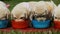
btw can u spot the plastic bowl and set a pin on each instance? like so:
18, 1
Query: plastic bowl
3, 23
57, 24
41, 24
20, 24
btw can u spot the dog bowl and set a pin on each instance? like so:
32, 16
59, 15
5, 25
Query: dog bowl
57, 24
20, 24
41, 24
3, 23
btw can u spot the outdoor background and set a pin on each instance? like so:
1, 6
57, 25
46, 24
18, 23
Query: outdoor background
14, 2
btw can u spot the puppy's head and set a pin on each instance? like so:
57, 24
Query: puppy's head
40, 8
38, 11
4, 4
20, 11
57, 13
19, 14
4, 12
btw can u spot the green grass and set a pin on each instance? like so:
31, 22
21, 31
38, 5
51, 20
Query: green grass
21, 32
14, 2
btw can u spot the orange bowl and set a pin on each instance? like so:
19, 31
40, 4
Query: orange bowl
57, 24
20, 24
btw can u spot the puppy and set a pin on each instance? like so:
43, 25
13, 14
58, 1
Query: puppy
42, 8
47, 8
40, 11
57, 13
50, 7
20, 11
2, 3
4, 11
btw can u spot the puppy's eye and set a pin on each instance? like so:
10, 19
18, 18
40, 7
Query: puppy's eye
55, 17
22, 18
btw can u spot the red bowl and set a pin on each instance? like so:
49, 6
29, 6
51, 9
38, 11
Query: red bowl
57, 24
20, 24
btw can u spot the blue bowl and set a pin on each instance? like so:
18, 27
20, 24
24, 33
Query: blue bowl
3, 23
41, 24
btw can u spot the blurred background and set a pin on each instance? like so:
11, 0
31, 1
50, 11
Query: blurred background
14, 2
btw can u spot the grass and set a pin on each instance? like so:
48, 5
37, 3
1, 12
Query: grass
20, 32
14, 2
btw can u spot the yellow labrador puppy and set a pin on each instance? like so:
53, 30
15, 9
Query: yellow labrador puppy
45, 8
21, 11
4, 11
57, 13
40, 10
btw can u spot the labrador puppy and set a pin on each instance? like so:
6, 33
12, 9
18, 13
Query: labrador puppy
4, 11
21, 11
57, 13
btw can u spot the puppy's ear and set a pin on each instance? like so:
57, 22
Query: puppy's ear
31, 15
2, 3
12, 17
26, 15
7, 5
54, 5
